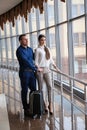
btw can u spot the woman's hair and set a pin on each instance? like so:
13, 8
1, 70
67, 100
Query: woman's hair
45, 48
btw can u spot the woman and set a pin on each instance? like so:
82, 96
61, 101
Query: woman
43, 60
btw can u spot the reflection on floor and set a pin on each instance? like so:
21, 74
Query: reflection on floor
4, 122
61, 120
45, 123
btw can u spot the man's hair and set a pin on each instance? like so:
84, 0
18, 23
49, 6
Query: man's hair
20, 37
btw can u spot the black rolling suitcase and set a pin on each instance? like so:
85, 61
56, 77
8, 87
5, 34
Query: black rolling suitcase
36, 104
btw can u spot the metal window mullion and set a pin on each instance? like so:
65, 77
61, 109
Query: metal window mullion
71, 56
30, 30
1, 65
17, 32
9, 105
70, 39
12, 53
37, 21
56, 12
8, 70
46, 23
85, 87
14, 85
85, 6
12, 50
6, 47
57, 36
1, 47
16, 26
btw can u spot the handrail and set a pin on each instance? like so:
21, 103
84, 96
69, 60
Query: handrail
73, 78
73, 104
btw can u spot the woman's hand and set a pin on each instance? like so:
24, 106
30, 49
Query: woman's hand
57, 69
39, 69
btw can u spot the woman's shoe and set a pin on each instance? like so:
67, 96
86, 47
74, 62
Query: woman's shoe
50, 109
51, 113
46, 111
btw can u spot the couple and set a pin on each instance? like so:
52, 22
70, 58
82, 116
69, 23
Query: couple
28, 69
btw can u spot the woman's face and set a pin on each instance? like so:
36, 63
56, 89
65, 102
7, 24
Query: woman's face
42, 41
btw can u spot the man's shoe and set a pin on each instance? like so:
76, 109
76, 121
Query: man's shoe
26, 113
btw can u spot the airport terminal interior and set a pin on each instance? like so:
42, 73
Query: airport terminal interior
64, 23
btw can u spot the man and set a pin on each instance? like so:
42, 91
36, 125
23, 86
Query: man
26, 71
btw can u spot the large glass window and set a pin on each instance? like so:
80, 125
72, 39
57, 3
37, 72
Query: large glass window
64, 49
45, 24
14, 46
52, 44
79, 44
9, 48
19, 21
34, 40
84, 66
77, 7
62, 11
33, 19
42, 20
3, 47
8, 29
51, 12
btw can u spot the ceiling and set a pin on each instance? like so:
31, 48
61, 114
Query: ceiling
6, 5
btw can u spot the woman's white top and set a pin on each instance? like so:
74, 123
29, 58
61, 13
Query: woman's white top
40, 58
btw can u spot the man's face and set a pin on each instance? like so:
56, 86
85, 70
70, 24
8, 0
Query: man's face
24, 41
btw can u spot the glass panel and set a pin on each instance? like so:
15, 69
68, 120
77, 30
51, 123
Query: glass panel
10, 78
77, 7
64, 49
19, 25
9, 48
2, 33
57, 110
42, 20
13, 30
33, 19
52, 44
5, 80
51, 12
62, 11
79, 119
79, 45
14, 46
26, 26
3, 47
8, 29
34, 40
17, 82
1, 74
67, 114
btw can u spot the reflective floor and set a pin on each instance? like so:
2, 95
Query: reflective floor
46, 123
61, 120
4, 121
64, 111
